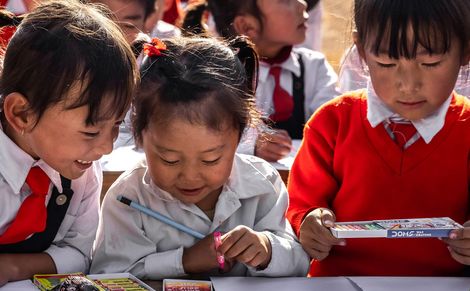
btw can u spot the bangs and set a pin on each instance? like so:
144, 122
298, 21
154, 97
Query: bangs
400, 28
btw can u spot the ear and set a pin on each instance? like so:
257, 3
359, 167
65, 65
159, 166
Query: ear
246, 25
17, 113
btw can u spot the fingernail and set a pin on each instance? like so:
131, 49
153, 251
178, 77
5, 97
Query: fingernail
453, 235
328, 223
342, 243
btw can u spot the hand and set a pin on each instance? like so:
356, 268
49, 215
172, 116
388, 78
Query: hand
202, 257
459, 244
246, 246
314, 235
273, 145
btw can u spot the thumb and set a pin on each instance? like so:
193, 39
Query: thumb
328, 219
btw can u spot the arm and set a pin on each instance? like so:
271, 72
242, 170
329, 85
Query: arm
17, 267
287, 256
122, 244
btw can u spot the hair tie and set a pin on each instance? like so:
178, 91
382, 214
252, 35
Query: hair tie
154, 48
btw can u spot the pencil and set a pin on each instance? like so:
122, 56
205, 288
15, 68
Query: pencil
160, 217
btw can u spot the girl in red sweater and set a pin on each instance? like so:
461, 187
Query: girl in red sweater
398, 149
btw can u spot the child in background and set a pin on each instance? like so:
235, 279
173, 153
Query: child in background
67, 81
293, 82
194, 102
398, 149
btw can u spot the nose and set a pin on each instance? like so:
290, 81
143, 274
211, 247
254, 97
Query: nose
105, 143
190, 173
302, 5
409, 80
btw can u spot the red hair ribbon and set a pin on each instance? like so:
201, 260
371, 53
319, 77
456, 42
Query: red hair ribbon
154, 48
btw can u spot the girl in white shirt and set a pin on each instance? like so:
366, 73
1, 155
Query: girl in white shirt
67, 79
194, 102
293, 81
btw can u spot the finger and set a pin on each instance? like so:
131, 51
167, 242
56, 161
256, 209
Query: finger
461, 233
282, 138
316, 255
231, 238
461, 251
458, 243
268, 155
248, 255
242, 244
459, 258
328, 219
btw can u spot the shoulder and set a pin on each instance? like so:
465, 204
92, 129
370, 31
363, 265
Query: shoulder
251, 175
338, 110
308, 55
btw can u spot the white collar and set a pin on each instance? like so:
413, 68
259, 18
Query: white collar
291, 64
428, 127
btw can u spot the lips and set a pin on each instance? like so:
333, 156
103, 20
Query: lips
82, 164
191, 191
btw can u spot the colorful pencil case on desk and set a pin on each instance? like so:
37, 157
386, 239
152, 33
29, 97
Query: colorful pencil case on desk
396, 228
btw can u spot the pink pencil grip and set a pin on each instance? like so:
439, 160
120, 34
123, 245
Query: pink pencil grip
218, 242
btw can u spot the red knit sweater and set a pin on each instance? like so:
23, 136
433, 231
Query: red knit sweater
361, 174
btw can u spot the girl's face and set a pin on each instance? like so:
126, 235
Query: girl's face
283, 25
63, 140
415, 88
191, 162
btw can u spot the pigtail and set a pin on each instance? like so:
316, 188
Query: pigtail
192, 22
247, 55
7, 18
137, 45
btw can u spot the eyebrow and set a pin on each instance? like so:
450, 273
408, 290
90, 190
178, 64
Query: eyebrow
163, 149
133, 17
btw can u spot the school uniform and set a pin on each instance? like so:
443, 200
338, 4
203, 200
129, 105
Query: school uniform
130, 241
71, 241
307, 77
350, 163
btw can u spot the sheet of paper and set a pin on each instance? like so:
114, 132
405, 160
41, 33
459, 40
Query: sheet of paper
282, 284
286, 163
25, 285
411, 283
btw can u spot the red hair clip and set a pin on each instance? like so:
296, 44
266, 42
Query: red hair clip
154, 48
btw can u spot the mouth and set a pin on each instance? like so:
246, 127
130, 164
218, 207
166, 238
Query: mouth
411, 103
82, 164
191, 191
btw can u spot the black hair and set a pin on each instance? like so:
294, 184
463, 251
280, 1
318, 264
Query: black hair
201, 80
64, 43
223, 12
433, 25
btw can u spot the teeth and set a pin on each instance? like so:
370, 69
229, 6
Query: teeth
84, 162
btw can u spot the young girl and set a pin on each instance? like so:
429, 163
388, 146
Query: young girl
194, 102
399, 149
293, 82
67, 80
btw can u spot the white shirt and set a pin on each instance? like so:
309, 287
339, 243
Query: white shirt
255, 196
319, 86
378, 112
72, 245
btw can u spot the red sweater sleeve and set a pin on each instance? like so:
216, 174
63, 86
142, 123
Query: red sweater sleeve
311, 181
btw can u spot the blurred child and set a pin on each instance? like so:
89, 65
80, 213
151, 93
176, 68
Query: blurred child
293, 82
193, 105
398, 149
129, 15
67, 81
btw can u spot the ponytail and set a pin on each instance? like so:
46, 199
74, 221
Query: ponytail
192, 22
247, 55
7, 18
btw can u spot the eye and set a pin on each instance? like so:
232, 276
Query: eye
211, 162
385, 65
431, 65
90, 134
170, 163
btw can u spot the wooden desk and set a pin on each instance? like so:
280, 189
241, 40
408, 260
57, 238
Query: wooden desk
123, 158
